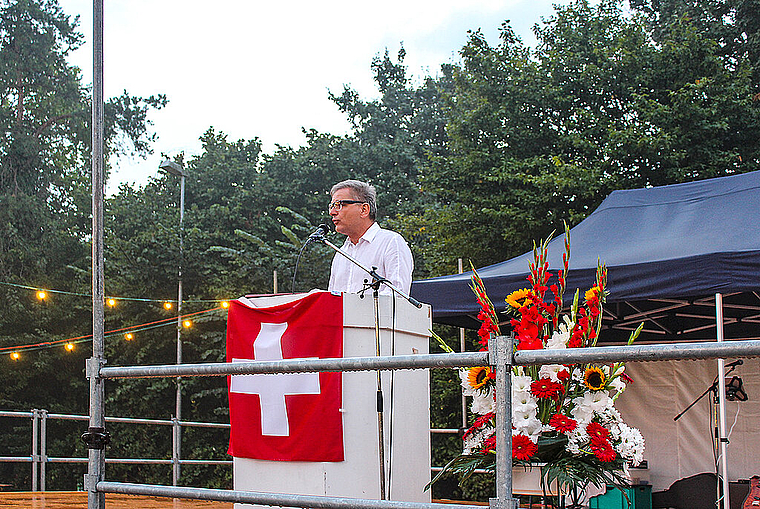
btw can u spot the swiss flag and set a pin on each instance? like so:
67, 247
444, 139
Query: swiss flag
294, 416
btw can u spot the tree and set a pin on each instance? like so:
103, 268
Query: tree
538, 137
45, 203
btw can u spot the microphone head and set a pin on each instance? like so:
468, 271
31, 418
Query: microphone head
319, 233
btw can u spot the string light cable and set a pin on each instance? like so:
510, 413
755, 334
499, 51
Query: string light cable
39, 290
130, 329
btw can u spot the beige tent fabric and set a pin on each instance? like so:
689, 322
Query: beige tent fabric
661, 390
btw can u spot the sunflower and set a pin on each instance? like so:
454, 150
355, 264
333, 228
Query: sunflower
594, 378
478, 377
518, 298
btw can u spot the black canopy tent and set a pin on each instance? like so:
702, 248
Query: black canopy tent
668, 250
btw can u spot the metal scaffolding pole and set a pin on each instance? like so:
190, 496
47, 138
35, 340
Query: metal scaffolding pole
722, 438
500, 353
96, 432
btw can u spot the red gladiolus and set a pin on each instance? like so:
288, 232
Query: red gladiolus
562, 423
603, 450
522, 447
479, 423
489, 445
530, 344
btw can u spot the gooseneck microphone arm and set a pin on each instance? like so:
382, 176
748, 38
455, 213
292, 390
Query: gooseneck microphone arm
376, 278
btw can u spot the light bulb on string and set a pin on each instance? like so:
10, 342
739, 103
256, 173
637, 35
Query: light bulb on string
168, 305
15, 356
111, 302
129, 336
70, 347
41, 294
225, 304
187, 324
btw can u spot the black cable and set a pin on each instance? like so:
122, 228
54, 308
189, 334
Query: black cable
295, 270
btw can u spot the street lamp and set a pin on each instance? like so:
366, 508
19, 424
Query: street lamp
177, 170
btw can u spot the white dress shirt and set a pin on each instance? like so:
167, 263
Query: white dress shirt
384, 249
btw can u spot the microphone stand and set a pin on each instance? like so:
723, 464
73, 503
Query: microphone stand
377, 280
713, 387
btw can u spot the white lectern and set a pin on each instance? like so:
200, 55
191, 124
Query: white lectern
406, 413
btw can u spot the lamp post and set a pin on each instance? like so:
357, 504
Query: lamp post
177, 170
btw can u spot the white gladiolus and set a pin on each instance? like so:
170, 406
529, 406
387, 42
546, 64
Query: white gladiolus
483, 403
521, 383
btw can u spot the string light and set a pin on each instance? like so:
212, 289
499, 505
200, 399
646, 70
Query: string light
47, 292
70, 347
41, 294
111, 302
127, 331
187, 324
225, 304
168, 305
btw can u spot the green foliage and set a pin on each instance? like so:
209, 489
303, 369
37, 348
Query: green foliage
475, 162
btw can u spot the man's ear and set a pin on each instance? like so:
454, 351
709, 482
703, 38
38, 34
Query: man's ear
365, 212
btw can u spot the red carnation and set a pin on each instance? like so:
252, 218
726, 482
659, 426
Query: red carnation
562, 423
603, 450
522, 447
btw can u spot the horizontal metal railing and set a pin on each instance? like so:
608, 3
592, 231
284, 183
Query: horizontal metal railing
419, 361
39, 458
499, 356
273, 499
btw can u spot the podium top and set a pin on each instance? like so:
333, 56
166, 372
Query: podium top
358, 312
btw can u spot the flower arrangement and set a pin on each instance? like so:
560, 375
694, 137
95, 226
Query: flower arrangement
563, 415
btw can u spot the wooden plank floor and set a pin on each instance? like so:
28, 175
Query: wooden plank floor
78, 500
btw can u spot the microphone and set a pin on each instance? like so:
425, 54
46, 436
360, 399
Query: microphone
319, 233
735, 363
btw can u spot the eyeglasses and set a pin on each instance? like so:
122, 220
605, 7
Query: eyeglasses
339, 204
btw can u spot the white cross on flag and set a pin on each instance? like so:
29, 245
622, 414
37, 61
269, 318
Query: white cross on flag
293, 416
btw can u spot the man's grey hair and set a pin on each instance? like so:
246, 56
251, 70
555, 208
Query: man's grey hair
360, 191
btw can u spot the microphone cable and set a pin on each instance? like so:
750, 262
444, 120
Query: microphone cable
318, 234
295, 270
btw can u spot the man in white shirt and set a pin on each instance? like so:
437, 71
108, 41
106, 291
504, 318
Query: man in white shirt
353, 209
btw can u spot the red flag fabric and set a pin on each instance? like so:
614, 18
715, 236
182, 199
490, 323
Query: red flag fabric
294, 416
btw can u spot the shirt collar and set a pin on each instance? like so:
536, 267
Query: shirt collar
368, 236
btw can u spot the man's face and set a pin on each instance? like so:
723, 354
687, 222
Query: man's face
352, 219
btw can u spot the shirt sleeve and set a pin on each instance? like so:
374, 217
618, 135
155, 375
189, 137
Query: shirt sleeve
399, 264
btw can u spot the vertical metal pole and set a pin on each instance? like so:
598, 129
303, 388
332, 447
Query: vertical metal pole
723, 440
500, 351
380, 429
462, 348
96, 459
176, 437
178, 400
35, 456
274, 281
43, 447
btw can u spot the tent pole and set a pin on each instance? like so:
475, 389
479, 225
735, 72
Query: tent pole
462, 348
723, 440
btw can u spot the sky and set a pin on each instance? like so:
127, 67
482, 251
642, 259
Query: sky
255, 69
